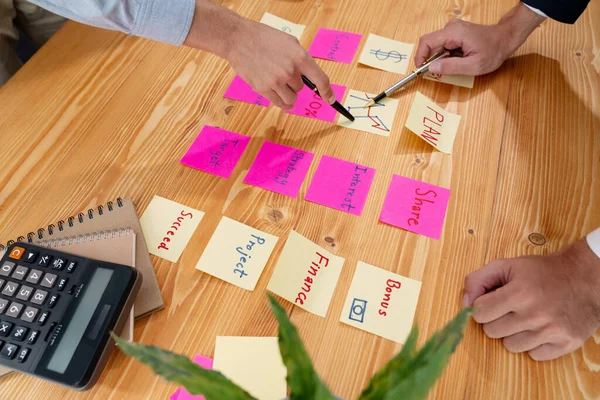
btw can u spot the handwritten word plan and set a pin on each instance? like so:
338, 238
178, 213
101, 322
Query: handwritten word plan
456, 80
306, 274
241, 91
416, 206
341, 184
381, 302
216, 151
182, 394
237, 253
279, 168
432, 123
168, 227
254, 364
378, 119
311, 105
386, 54
335, 45
283, 25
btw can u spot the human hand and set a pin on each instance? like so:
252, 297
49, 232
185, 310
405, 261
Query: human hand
545, 305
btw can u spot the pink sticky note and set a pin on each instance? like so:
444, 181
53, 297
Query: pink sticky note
311, 105
341, 184
241, 91
216, 151
182, 394
335, 45
416, 206
175, 395
279, 168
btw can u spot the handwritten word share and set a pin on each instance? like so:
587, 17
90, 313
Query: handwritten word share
386, 54
279, 168
335, 45
381, 302
237, 253
216, 151
416, 206
341, 184
241, 91
168, 227
311, 105
432, 123
456, 80
306, 274
283, 25
378, 119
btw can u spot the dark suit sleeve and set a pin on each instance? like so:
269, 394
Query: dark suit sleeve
566, 11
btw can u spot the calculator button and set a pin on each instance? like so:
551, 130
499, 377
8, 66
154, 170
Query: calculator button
22, 357
5, 328
24, 293
3, 304
33, 335
30, 256
58, 264
71, 267
29, 314
62, 282
10, 289
2, 283
14, 310
39, 297
9, 351
34, 276
43, 318
48, 281
44, 260
52, 301
16, 253
19, 333
20, 272
7, 267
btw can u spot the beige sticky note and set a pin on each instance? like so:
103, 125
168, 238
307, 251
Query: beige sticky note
237, 253
378, 119
168, 227
456, 80
306, 274
283, 25
381, 302
253, 363
386, 54
432, 123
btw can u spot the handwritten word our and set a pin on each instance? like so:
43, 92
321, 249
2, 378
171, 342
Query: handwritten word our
175, 226
336, 45
308, 281
390, 284
416, 208
245, 254
221, 148
428, 130
283, 176
352, 186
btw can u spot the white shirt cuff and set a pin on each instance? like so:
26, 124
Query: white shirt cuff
535, 10
593, 240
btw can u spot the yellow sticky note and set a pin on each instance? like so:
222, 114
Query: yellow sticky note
432, 123
456, 80
378, 119
252, 363
381, 302
283, 25
306, 274
168, 227
237, 253
386, 54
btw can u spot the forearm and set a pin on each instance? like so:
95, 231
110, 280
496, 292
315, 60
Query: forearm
518, 24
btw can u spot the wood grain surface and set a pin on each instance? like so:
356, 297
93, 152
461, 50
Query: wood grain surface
96, 115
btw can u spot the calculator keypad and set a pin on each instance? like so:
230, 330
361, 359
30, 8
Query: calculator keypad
20, 272
29, 314
48, 281
19, 333
34, 276
9, 351
10, 289
5, 328
25, 293
6, 268
3, 304
44, 260
14, 310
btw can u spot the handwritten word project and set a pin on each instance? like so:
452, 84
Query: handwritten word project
456, 80
279, 168
386, 54
283, 25
216, 151
377, 119
254, 364
335, 45
182, 394
237, 253
432, 123
311, 105
416, 206
341, 184
168, 227
241, 91
306, 274
381, 302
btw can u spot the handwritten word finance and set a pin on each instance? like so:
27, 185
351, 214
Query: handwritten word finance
244, 254
390, 285
308, 281
174, 227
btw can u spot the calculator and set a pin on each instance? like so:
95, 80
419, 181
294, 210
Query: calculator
57, 311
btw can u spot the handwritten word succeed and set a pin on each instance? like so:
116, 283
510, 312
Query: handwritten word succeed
352, 187
391, 284
175, 226
245, 254
308, 281
215, 154
283, 176
416, 208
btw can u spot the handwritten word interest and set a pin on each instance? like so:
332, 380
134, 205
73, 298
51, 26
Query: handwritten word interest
336, 45
283, 176
175, 226
308, 281
222, 147
416, 208
430, 130
245, 255
358, 171
391, 284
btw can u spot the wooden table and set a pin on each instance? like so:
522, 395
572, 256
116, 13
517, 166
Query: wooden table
96, 115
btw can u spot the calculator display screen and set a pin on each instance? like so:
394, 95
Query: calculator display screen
80, 321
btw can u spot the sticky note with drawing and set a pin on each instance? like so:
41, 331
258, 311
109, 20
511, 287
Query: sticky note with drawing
335, 45
168, 227
378, 119
306, 274
237, 253
241, 91
283, 25
381, 302
432, 123
386, 54
456, 80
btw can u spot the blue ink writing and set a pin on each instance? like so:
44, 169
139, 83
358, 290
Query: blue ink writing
358, 172
283, 176
358, 310
244, 252
336, 46
218, 152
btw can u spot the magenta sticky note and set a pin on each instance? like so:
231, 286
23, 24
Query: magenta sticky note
216, 151
416, 206
175, 395
279, 168
341, 184
204, 362
311, 105
241, 91
335, 45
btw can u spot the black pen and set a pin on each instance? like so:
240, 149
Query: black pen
337, 106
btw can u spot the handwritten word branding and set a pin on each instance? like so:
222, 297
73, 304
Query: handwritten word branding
419, 202
335, 45
283, 176
308, 281
353, 187
245, 254
390, 284
175, 227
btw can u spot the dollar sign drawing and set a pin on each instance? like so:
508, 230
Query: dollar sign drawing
384, 55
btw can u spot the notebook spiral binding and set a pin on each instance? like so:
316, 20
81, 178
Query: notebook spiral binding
100, 210
89, 237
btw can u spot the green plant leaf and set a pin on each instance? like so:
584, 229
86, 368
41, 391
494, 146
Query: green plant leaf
301, 376
179, 369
